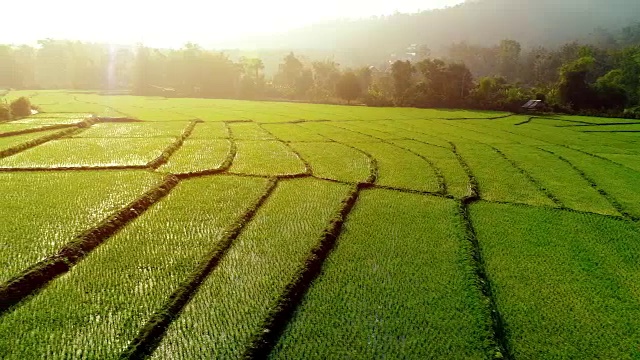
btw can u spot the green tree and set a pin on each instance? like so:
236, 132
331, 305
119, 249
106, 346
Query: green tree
326, 75
288, 77
219, 76
142, 71
628, 61
253, 67
509, 59
85, 65
380, 92
573, 88
483, 61
610, 90
191, 69
458, 85
490, 92
540, 66
303, 84
53, 64
25, 59
252, 83
8, 68
348, 87
402, 73
431, 89
5, 112
365, 77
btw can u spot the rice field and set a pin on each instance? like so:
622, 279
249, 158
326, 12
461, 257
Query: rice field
141, 227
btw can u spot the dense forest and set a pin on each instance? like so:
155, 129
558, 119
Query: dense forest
599, 75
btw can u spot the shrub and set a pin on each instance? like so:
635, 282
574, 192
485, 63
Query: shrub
632, 113
348, 87
5, 112
376, 98
21, 107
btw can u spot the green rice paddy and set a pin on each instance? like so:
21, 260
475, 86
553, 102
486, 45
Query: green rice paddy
236, 229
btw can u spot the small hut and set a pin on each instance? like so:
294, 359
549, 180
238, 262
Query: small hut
533, 105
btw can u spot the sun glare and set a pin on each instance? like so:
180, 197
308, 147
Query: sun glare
171, 24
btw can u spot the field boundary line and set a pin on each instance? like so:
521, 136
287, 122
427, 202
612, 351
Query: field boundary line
154, 330
301, 121
445, 194
610, 198
503, 135
365, 185
39, 129
152, 165
39, 275
236, 121
307, 167
354, 183
550, 208
529, 177
563, 120
525, 122
233, 150
420, 132
47, 113
495, 136
288, 104
408, 191
166, 153
600, 124
537, 184
373, 163
317, 133
116, 120
77, 128
260, 176
308, 142
498, 347
226, 164
308, 170
75, 97
610, 131
474, 188
597, 157
442, 185
280, 316
73, 168
404, 137
562, 145
489, 118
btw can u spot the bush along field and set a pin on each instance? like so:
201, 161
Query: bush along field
142, 227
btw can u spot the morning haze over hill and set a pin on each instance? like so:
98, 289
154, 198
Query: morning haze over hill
170, 24
320, 180
329, 25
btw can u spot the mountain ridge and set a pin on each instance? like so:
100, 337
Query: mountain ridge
480, 22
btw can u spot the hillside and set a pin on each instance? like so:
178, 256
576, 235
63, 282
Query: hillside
481, 22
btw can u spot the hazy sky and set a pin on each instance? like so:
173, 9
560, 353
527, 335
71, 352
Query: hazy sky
172, 23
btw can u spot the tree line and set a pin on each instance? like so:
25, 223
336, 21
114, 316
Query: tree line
550, 23
574, 78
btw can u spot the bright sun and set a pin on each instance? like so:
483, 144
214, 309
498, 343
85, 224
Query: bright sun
172, 23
